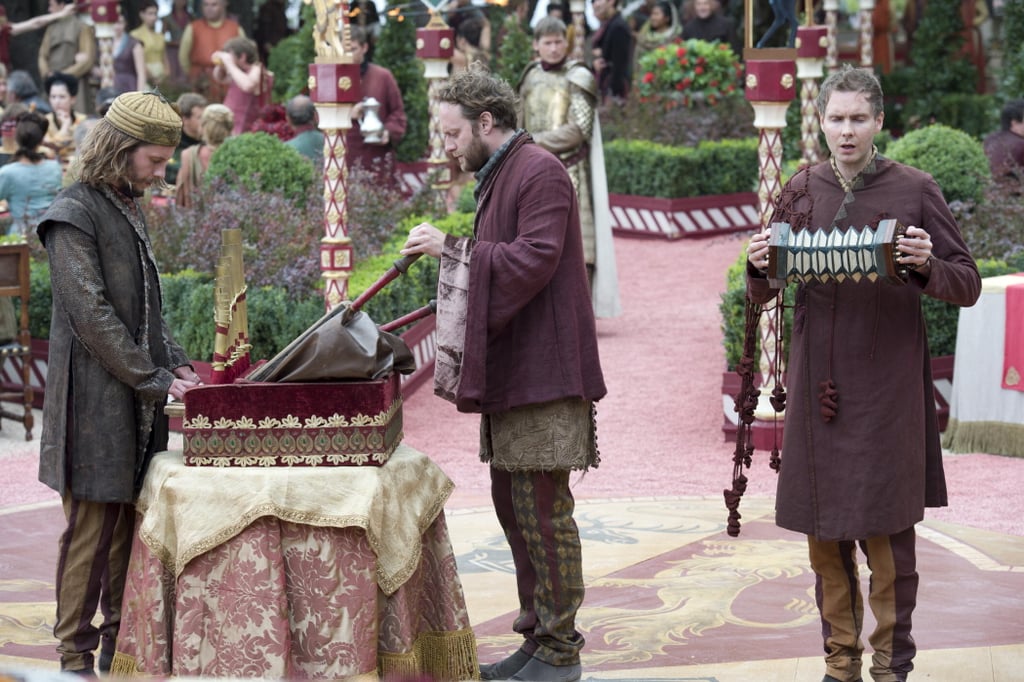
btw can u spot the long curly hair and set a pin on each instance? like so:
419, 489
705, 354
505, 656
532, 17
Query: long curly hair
476, 91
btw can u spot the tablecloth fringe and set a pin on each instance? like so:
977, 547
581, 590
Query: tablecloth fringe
448, 655
996, 438
123, 665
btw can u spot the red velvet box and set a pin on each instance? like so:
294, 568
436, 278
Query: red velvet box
335, 83
262, 424
435, 43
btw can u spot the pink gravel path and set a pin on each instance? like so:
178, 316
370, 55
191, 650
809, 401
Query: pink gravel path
659, 428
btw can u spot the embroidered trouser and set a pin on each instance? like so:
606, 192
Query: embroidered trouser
535, 511
92, 562
892, 595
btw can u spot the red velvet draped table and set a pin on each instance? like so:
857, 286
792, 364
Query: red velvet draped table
303, 572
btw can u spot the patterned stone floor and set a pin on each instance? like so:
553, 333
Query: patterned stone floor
670, 596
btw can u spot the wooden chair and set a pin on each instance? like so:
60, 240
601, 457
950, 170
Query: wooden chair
14, 281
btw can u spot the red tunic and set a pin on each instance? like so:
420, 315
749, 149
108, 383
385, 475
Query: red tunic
377, 82
530, 332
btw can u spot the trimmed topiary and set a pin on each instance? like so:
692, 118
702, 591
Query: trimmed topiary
262, 163
290, 58
396, 51
955, 159
515, 51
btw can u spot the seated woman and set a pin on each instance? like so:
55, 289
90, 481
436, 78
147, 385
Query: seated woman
30, 181
215, 126
238, 66
62, 91
662, 27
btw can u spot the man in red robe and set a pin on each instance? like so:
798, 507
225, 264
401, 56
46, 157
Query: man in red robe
376, 156
861, 457
517, 343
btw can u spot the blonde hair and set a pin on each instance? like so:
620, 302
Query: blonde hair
216, 124
105, 155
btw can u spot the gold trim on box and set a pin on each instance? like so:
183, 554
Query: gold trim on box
290, 441
751, 81
336, 420
786, 81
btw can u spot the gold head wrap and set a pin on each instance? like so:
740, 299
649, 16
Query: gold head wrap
146, 116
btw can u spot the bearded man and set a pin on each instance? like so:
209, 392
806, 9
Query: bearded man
517, 343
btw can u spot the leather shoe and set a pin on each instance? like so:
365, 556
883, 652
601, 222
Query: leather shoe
539, 671
829, 678
505, 668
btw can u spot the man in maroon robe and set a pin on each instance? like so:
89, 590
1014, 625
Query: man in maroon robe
517, 343
861, 457
376, 156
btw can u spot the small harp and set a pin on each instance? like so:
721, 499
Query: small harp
231, 339
826, 255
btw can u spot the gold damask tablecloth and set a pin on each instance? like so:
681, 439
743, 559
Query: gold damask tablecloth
322, 572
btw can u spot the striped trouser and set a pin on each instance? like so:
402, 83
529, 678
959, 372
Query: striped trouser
892, 595
535, 511
92, 562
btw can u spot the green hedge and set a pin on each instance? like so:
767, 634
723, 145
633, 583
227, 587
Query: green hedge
648, 169
956, 160
275, 317
418, 286
940, 318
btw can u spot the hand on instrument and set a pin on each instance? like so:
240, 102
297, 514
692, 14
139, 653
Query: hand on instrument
915, 250
757, 250
424, 238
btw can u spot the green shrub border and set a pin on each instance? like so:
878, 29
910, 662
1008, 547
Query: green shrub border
649, 169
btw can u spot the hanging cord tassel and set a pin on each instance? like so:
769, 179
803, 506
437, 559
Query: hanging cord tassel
778, 398
745, 404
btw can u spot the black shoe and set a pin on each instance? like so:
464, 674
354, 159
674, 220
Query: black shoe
506, 668
829, 678
81, 672
106, 658
539, 671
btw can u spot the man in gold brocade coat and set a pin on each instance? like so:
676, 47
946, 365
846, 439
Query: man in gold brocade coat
558, 99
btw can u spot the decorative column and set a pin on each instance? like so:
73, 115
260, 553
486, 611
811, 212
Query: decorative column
334, 87
435, 44
104, 15
770, 87
867, 33
811, 47
831, 23
579, 30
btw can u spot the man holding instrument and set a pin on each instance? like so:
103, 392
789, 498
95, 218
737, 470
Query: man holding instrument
861, 454
517, 343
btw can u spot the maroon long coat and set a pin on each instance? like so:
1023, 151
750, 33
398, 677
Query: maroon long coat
377, 82
530, 332
874, 467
